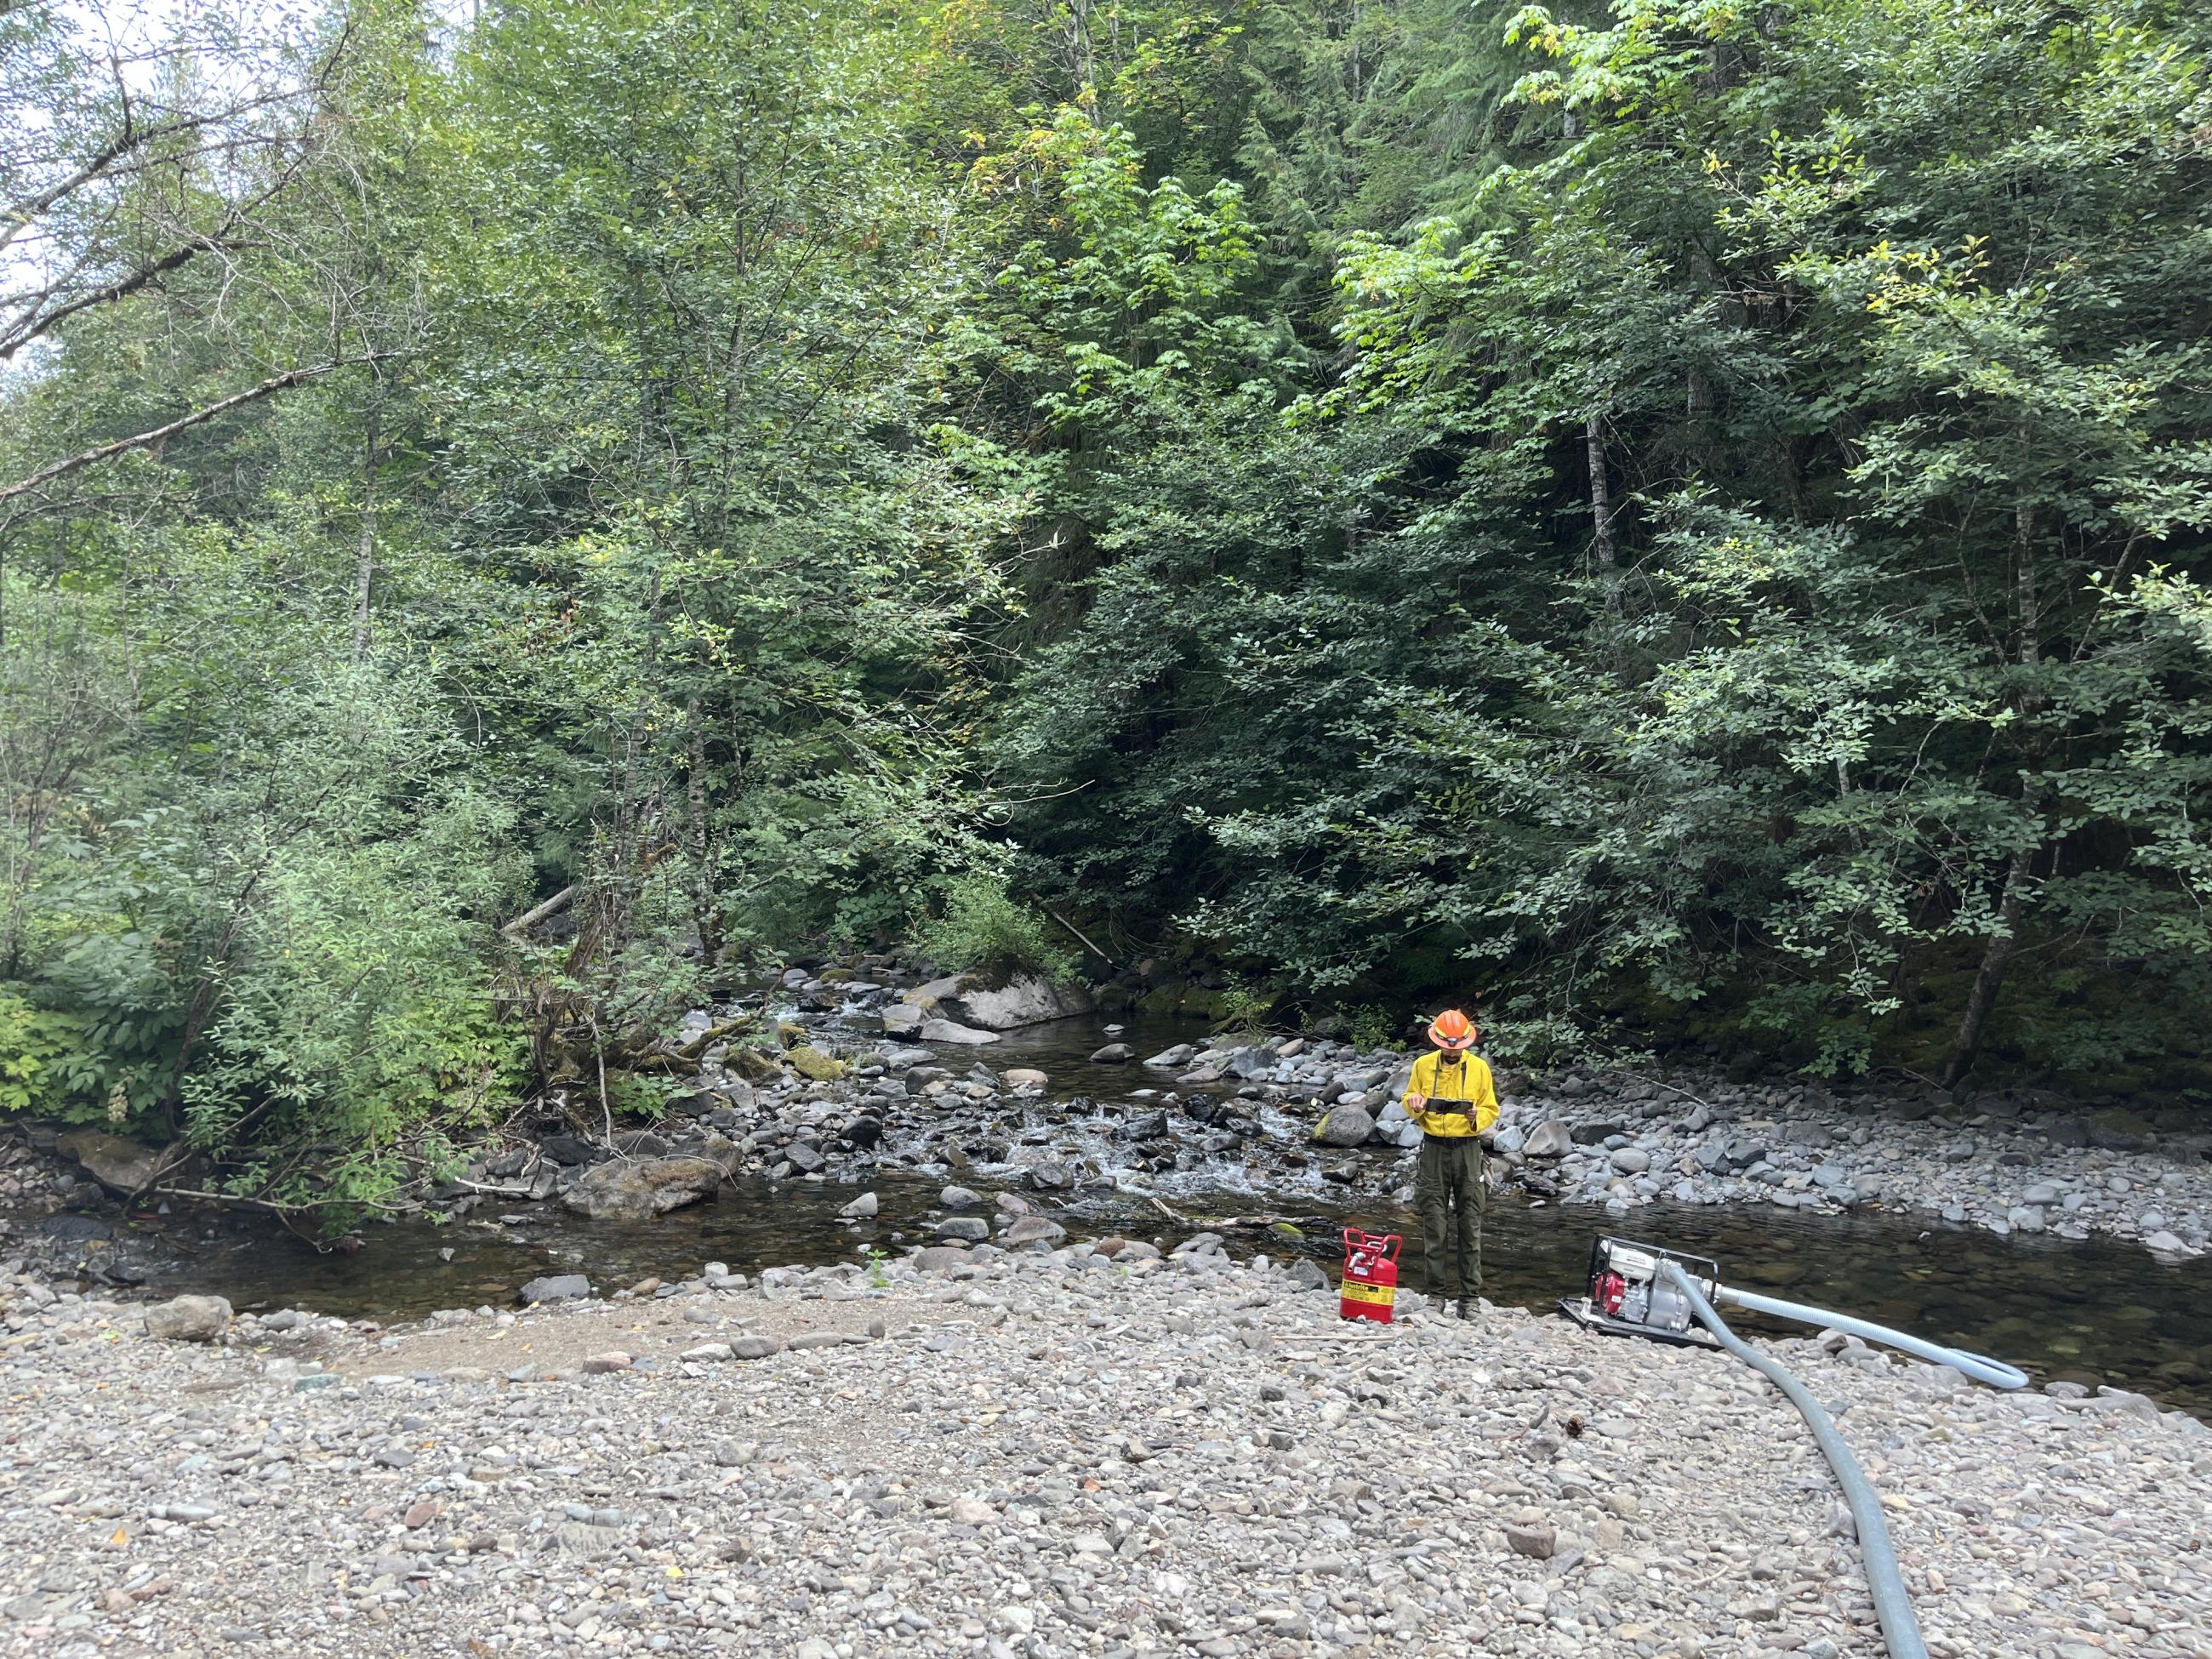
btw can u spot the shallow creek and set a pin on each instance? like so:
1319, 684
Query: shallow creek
2095, 1310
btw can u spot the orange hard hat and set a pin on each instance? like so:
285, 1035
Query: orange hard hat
1452, 1029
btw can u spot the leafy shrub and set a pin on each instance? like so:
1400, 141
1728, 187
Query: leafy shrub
983, 930
1241, 1010
1370, 1026
45, 1068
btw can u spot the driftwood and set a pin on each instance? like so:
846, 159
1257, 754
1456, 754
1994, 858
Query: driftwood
1080, 934
492, 1192
552, 907
234, 1200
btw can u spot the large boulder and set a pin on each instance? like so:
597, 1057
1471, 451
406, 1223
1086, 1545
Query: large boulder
567, 1149
639, 1191
2118, 1131
1033, 1230
1024, 999
1343, 1126
189, 1319
930, 993
121, 1166
1549, 1138
753, 1065
1114, 1053
811, 1063
1248, 1063
948, 1031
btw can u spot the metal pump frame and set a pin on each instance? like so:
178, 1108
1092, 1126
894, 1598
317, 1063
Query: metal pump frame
1702, 1271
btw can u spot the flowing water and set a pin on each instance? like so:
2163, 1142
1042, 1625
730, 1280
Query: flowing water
2095, 1310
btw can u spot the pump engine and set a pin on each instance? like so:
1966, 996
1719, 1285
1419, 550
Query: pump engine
1625, 1298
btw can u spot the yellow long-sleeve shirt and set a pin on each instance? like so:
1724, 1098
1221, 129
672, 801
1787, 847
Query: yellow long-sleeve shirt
1461, 1100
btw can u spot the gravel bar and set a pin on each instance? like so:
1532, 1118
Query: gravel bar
1046, 1453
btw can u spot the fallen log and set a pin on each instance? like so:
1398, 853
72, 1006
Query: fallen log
552, 907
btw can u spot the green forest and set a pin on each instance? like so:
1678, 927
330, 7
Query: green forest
1679, 524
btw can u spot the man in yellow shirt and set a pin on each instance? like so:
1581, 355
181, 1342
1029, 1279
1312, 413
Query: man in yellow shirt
1452, 1099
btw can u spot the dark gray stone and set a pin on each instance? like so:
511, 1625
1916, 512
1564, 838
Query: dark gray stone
1343, 1126
555, 1287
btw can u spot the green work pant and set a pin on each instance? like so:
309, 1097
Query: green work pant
1451, 1194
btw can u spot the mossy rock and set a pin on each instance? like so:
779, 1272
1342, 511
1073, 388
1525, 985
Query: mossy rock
1197, 1000
790, 1033
2120, 1131
752, 1064
810, 1062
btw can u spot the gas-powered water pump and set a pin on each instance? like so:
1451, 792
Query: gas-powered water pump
1627, 1296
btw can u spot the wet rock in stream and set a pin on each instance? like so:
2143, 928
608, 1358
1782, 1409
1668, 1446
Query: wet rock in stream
637, 1191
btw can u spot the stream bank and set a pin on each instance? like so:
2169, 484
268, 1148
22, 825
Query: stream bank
1865, 1199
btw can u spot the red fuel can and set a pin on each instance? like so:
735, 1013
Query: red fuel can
1370, 1289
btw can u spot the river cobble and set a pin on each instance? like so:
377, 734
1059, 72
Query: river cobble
1045, 1454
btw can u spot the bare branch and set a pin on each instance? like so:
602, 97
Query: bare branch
98, 228
290, 377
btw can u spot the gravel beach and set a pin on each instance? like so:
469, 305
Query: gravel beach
1046, 1453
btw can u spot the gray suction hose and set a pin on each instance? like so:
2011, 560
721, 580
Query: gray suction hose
1995, 1372
1892, 1606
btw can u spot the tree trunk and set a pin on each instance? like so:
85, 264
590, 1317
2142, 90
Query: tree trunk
703, 917
364, 573
1608, 571
1989, 980
2004, 940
